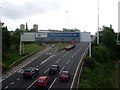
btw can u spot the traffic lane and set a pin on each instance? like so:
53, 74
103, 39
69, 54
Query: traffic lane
61, 63
71, 67
22, 85
17, 75
45, 70
49, 63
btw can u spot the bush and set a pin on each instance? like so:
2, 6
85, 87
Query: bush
101, 53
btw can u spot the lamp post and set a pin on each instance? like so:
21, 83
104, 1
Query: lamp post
98, 25
67, 19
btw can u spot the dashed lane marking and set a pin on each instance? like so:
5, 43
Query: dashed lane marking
58, 60
61, 69
6, 87
18, 78
31, 84
12, 83
52, 83
47, 70
68, 61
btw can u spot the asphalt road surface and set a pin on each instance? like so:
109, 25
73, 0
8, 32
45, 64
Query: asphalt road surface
66, 60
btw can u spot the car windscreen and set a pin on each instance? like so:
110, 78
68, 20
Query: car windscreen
40, 80
27, 71
53, 67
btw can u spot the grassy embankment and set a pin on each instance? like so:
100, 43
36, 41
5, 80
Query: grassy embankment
29, 48
13, 54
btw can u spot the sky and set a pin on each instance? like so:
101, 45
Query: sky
59, 14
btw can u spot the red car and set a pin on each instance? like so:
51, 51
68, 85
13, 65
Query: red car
64, 76
42, 80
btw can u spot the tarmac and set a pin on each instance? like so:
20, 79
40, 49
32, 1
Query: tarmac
16, 68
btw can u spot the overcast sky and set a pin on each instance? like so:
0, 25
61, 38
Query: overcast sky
51, 14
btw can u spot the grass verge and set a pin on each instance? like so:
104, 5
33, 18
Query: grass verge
13, 55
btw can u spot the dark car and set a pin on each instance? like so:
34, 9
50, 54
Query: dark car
30, 72
64, 76
42, 81
54, 69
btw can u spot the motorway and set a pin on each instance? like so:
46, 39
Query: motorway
66, 60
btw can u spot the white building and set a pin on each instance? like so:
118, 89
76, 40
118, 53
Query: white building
35, 27
22, 26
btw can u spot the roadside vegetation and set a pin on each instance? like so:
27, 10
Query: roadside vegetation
14, 55
10, 47
100, 71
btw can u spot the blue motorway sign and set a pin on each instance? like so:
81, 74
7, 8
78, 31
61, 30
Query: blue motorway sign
64, 34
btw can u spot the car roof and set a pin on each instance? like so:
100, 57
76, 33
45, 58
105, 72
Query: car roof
29, 68
43, 77
55, 65
65, 71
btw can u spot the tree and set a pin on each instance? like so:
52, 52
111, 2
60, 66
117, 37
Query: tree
89, 62
6, 42
101, 53
108, 37
16, 38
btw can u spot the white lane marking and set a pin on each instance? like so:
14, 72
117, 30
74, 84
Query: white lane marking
18, 79
25, 64
80, 74
74, 54
61, 69
20, 71
31, 84
68, 61
46, 70
48, 53
6, 87
12, 83
45, 60
58, 60
56, 50
77, 70
52, 83
65, 54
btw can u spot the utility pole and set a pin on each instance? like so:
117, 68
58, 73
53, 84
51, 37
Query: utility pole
20, 44
67, 19
98, 25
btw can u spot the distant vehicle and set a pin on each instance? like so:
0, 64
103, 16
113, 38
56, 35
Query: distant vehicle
54, 69
69, 47
73, 43
30, 72
64, 76
42, 81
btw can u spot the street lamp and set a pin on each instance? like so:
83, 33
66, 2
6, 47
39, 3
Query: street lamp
67, 19
98, 25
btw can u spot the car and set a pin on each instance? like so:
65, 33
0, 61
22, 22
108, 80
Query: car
64, 76
42, 81
30, 72
54, 69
